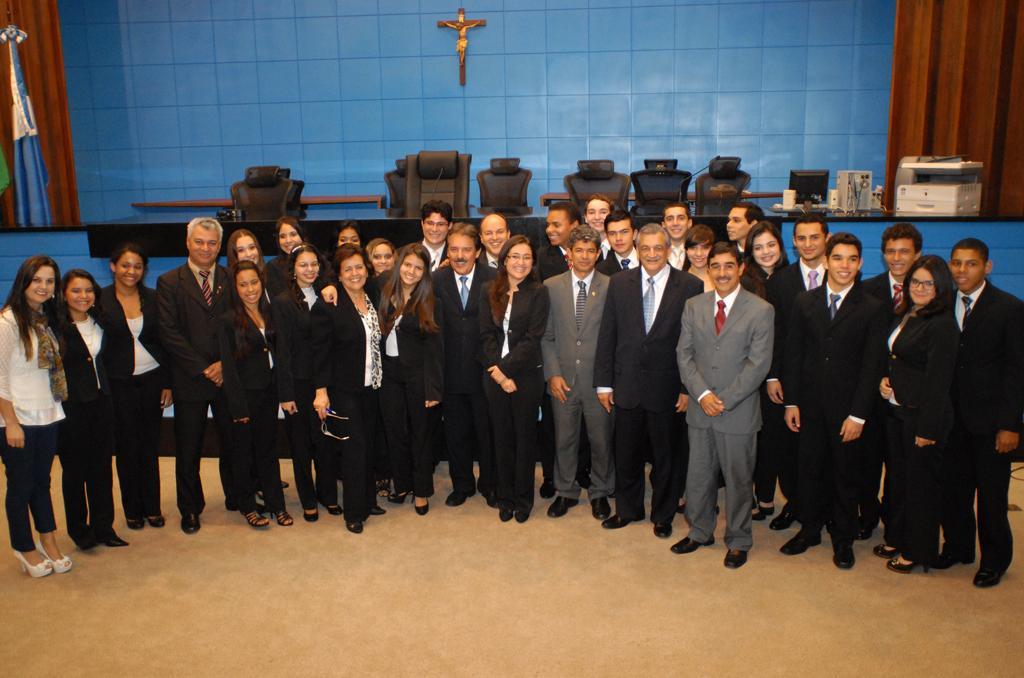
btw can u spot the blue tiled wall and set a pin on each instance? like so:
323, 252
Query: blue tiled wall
172, 99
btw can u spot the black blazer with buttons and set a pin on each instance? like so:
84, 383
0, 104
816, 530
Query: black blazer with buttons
461, 328
421, 352
252, 371
988, 386
610, 265
188, 329
339, 344
833, 367
527, 322
293, 337
119, 351
550, 262
782, 289
80, 370
921, 366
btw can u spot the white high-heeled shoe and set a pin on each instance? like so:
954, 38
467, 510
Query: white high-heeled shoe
59, 566
43, 569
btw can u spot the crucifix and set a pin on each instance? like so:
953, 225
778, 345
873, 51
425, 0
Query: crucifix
461, 25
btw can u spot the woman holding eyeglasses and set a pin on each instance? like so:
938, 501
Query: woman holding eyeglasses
510, 335
922, 354
347, 376
410, 322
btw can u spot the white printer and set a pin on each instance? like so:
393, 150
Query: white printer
940, 185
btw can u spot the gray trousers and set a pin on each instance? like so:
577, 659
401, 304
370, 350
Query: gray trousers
582, 403
734, 454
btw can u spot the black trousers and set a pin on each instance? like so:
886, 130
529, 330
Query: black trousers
872, 460
514, 420
85, 445
546, 437
189, 427
828, 478
408, 426
309, 450
629, 463
137, 442
775, 455
972, 465
915, 490
255, 456
467, 429
355, 455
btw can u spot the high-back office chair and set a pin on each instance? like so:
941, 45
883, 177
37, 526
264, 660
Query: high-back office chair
395, 180
437, 175
722, 187
293, 205
657, 186
504, 186
597, 176
263, 194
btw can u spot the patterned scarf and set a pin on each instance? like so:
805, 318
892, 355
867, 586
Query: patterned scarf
49, 356
376, 374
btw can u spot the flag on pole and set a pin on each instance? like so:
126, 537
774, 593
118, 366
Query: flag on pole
31, 202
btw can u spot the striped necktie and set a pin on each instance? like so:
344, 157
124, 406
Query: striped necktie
207, 290
581, 303
649, 305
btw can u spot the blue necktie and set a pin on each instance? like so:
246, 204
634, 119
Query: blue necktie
464, 291
833, 307
649, 305
625, 264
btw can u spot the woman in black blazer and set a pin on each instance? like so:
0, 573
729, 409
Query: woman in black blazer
246, 338
243, 246
513, 316
86, 436
139, 385
291, 310
412, 351
922, 355
289, 234
347, 375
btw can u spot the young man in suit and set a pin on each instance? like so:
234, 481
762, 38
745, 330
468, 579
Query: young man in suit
742, 217
832, 367
570, 343
635, 372
810, 233
620, 234
595, 212
466, 420
554, 256
435, 220
494, 234
191, 299
901, 247
988, 401
676, 220
724, 352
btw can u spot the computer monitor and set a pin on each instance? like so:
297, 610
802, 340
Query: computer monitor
810, 185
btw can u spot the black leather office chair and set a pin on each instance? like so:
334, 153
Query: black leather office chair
597, 176
263, 194
395, 180
437, 175
722, 187
660, 164
293, 205
504, 186
656, 186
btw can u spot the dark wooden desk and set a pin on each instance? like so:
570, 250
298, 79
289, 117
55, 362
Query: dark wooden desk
376, 200
548, 198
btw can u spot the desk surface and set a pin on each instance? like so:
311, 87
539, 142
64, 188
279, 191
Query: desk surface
377, 200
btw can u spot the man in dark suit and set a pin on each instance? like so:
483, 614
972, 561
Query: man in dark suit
832, 368
810, 232
621, 236
435, 220
466, 420
554, 257
635, 372
191, 299
494, 234
901, 247
988, 401
743, 216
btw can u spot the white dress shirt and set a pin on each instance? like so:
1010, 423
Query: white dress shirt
391, 343
435, 255
677, 256
144, 360
23, 382
634, 260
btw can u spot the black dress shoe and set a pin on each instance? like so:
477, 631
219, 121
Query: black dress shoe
156, 521
377, 510
505, 514
135, 523
190, 523
230, 504
904, 568
842, 556
547, 489
688, 545
492, 499
885, 551
986, 578
456, 498
335, 510
761, 512
947, 560
783, 521
615, 522
422, 510
662, 530
799, 544
560, 506
735, 559
311, 517
865, 533
354, 526
522, 516
600, 508
113, 541
86, 542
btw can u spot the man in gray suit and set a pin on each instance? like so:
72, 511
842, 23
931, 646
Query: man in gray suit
569, 345
724, 352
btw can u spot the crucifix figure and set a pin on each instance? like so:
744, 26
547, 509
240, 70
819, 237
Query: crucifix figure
461, 25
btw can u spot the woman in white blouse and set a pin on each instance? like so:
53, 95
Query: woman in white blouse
32, 387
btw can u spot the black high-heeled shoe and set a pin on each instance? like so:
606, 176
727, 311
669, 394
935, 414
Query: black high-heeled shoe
422, 510
398, 497
885, 551
904, 568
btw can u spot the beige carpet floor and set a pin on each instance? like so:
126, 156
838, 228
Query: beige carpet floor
457, 593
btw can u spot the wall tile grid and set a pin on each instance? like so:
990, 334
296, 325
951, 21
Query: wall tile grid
172, 99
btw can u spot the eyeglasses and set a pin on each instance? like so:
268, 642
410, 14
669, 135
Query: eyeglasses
323, 425
922, 284
437, 224
520, 257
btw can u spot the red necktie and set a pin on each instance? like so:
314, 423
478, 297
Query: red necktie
567, 261
897, 295
720, 317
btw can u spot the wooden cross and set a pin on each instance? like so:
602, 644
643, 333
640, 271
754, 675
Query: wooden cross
461, 25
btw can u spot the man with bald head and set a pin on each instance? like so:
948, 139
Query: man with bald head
494, 234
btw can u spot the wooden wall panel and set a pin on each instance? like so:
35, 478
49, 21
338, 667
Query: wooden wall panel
42, 62
957, 66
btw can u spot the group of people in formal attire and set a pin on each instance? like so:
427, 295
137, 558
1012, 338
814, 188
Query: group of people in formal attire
611, 346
